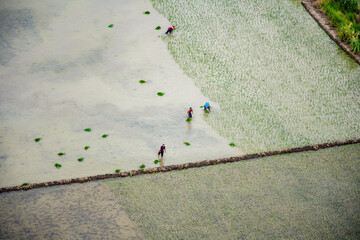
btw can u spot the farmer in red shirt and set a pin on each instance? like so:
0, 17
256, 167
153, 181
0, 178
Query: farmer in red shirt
189, 112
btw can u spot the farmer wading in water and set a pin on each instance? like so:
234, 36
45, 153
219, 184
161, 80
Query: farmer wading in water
170, 29
162, 150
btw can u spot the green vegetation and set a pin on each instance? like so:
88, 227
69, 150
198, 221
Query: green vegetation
156, 161
201, 106
87, 129
160, 94
147, 12
309, 195
232, 144
117, 170
158, 28
80, 159
142, 81
58, 165
187, 143
142, 166
37, 139
105, 135
188, 119
86, 147
344, 15
61, 153
111, 25
276, 85
25, 184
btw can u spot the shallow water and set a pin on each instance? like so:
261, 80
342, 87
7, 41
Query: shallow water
62, 70
77, 211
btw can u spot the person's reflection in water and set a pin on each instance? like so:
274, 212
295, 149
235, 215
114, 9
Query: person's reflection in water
161, 160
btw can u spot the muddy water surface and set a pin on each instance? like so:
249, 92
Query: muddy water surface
62, 69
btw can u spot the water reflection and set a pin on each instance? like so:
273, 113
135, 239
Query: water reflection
161, 161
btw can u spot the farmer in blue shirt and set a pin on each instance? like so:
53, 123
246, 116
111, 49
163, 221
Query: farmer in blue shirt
207, 106
162, 150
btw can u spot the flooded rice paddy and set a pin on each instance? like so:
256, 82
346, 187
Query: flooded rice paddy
62, 70
77, 211
279, 80
309, 195
274, 80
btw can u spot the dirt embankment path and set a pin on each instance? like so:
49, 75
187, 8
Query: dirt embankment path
180, 166
324, 22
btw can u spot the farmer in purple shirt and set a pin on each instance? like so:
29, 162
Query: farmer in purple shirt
170, 29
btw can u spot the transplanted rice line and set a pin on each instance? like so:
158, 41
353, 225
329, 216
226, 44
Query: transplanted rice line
277, 85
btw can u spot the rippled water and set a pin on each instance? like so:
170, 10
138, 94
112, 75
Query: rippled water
62, 70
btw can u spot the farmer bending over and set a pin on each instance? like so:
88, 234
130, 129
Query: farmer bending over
207, 106
170, 29
189, 112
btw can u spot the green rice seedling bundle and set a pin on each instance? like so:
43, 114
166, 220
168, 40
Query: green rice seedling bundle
80, 159
86, 147
58, 165
277, 86
37, 139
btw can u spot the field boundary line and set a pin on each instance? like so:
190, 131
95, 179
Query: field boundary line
180, 166
323, 21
